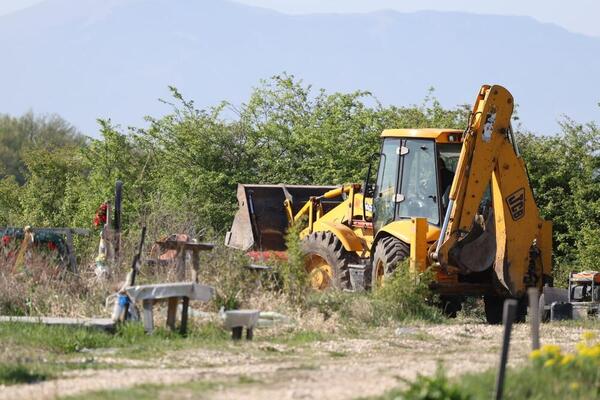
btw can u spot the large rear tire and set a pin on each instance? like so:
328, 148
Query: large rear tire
389, 252
326, 261
494, 308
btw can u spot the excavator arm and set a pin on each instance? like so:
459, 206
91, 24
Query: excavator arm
511, 238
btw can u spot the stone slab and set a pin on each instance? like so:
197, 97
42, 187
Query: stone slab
106, 324
241, 318
193, 291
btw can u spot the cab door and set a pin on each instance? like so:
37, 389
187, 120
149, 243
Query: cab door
384, 201
418, 187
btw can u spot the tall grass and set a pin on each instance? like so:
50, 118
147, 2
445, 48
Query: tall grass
405, 297
43, 288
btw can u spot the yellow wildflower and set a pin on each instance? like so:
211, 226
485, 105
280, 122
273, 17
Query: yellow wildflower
591, 352
551, 349
550, 362
574, 386
535, 354
581, 346
567, 359
589, 335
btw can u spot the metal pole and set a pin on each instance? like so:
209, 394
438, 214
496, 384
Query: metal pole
509, 313
534, 317
444, 227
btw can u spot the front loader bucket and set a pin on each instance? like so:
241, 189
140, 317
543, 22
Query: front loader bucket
260, 222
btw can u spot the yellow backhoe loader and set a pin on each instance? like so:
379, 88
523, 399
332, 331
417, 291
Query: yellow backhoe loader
458, 202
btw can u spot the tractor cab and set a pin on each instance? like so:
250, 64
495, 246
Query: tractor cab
416, 169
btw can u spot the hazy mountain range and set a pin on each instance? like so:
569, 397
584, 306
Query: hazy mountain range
86, 59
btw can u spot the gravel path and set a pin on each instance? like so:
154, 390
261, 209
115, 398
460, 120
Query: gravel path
340, 369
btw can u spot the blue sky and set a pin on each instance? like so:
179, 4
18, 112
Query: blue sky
575, 15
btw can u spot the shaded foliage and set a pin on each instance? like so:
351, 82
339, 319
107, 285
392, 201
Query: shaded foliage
191, 160
18, 135
565, 174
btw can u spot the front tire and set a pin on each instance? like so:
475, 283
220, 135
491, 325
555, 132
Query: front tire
389, 252
326, 261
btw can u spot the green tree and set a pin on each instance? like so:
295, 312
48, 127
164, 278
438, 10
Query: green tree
18, 134
565, 174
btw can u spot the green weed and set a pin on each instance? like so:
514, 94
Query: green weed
13, 374
129, 338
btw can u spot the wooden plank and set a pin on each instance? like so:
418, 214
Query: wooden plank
60, 231
105, 324
148, 315
176, 244
172, 311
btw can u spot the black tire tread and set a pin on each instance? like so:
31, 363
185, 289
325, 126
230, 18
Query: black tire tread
393, 251
328, 246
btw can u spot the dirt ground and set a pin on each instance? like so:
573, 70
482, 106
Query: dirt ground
337, 369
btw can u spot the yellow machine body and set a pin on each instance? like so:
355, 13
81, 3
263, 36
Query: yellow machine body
503, 254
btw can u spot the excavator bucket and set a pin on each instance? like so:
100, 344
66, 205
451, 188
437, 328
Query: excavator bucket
261, 222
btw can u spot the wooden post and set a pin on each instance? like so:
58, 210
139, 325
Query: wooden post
71, 250
172, 312
236, 332
418, 245
148, 315
184, 315
534, 317
195, 265
180, 263
509, 313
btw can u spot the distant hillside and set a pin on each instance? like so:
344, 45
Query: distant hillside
113, 58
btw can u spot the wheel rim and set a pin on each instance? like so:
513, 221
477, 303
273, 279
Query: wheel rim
379, 274
320, 273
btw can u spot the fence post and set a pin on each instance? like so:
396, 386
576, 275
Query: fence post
117, 219
508, 317
534, 317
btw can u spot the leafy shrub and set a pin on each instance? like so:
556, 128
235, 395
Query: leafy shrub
406, 296
13, 374
437, 387
292, 272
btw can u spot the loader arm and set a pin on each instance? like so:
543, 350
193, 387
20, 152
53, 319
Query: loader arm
514, 239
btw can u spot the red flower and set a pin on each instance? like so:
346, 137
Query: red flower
52, 246
100, 217
5, 240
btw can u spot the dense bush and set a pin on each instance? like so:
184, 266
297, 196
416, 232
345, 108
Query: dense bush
189, 161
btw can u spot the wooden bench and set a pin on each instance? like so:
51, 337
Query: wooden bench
173, 294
